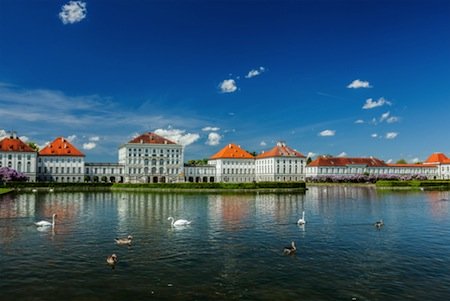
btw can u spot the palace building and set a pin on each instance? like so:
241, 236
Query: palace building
150, 158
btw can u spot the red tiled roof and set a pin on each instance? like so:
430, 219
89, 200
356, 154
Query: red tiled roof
151, 138
334, 161
281, 150
60, 147
15, 145
437, 158
232, 151
411, 165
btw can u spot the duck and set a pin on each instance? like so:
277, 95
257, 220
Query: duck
124, 240
112, 259
179, 222
46, 223
301, 221
379, 224
290, 249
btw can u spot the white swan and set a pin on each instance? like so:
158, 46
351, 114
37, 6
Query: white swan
179, 222
46, 223
302, 221
290, 249
379, 224
124, 241
112, 260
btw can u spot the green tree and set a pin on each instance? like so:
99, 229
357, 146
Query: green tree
401, 161
33, 145
309, 160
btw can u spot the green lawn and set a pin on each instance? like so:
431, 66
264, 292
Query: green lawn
5, 190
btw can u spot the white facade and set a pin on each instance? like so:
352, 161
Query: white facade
104, 172
61, 169
19, 156
152, 159
202, 173
234, 170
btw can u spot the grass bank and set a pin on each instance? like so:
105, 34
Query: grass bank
269, 186
414, 184
5, 190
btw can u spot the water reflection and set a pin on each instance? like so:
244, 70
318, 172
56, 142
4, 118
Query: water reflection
233, 248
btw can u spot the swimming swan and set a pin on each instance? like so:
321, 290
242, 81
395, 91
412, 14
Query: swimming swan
112, 260
46, 223
124, 240
379, 224
302, 221
179, 222
290, 249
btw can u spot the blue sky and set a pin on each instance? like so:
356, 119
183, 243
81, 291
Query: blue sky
345, 78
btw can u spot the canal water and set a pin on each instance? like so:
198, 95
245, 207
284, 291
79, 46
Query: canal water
232, 250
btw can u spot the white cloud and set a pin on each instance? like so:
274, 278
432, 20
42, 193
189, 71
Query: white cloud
72, 138
392, 119
356, 84
391, 135
213, 139
370, 103
89, 145
388, 118
178, 136
327, 133
24, 138
228, 86
3, 134
255, 72
359, 121
389, 161
311, 155
343, 154
73, 12
94, 138
263, 143
415, 160
374, 135
210, 129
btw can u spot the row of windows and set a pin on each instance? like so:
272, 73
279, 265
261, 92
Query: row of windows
56, 160
153, 162
59, 170
95, 170
331, 170
153, 170
19, 156
154, 151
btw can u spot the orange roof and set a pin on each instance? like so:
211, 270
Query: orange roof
412, 165
281, 150
15, 145
437, 158
151, 138
334, 161
232, 151
60, 147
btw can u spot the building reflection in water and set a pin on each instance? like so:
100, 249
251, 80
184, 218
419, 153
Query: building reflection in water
439, 203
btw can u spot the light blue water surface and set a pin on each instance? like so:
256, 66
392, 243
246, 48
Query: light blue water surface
233, 250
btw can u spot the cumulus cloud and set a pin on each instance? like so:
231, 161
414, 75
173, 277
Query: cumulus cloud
327, 133
263, 143
389, 161
359, 121
94, 138
213, 139
370, 103
178, 136
3, 134
374, 135
311, 155
415, 160
388, 118
255, 72
89, 145
73, 12
228, 86
343, 154
210, 129
391, 135
72, 138
357, 83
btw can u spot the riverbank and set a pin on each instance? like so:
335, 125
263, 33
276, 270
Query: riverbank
162, 187
5, 190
